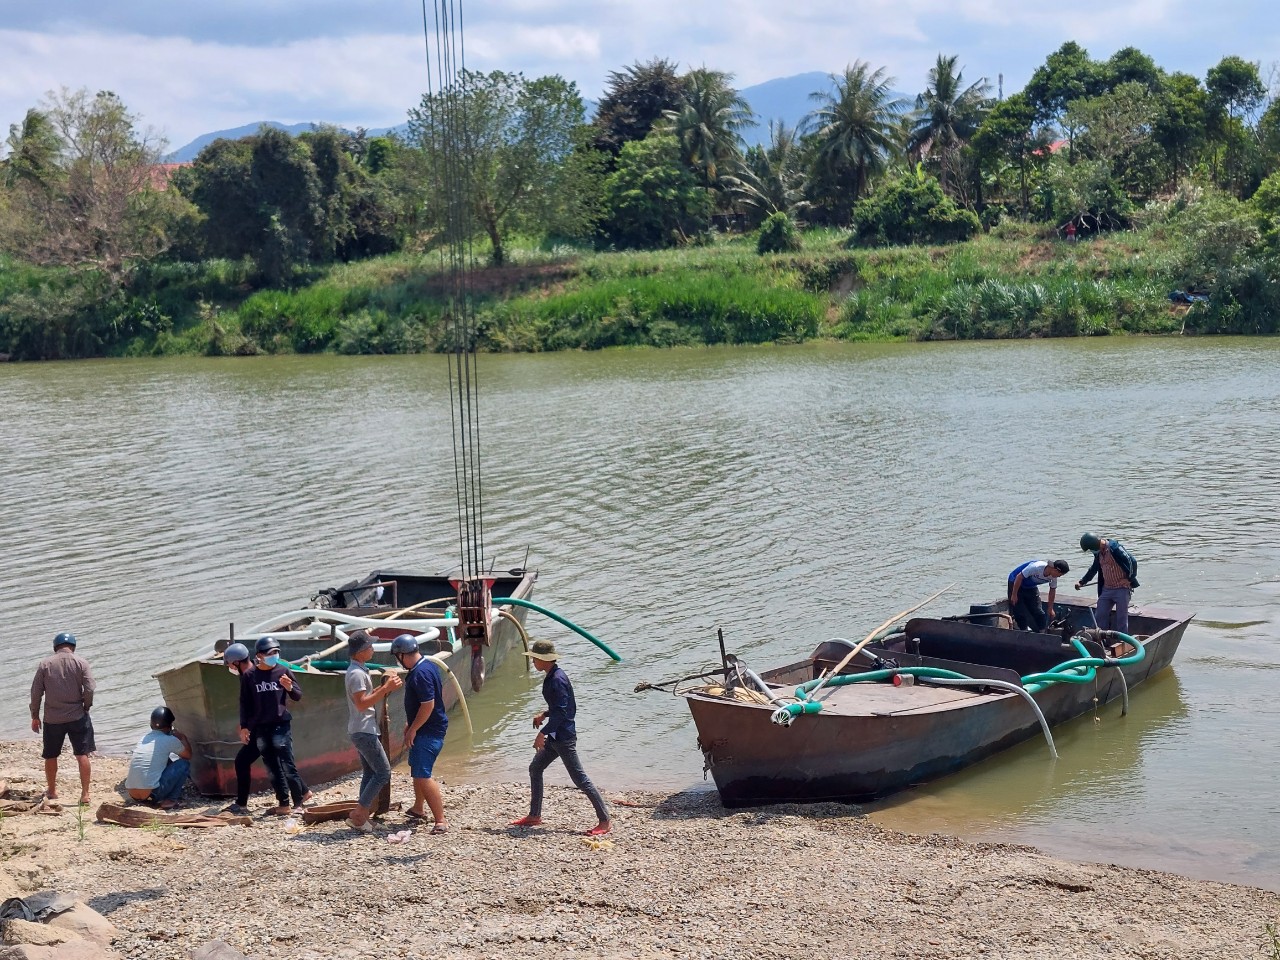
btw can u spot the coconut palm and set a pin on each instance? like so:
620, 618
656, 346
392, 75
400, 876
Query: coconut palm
707, 122
853, 126
948, 114
770, 179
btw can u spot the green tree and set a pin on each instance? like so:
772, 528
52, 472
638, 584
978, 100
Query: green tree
1008, 138
706, 124
1181, 122
771, 179
1236, 92
1067, 74
81, 190
653, 199
853, 130
1117, 129
947, 115
1131, 65
500, 146
636, 98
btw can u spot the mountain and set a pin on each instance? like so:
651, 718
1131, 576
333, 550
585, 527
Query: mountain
785, 99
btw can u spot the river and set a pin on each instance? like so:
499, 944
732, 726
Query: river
785, 494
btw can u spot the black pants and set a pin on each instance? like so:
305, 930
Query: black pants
566, 750
1028, 612
273, 742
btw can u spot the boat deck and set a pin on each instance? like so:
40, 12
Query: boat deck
885, 700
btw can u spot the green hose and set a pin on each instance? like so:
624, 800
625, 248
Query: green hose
1082, 669
558, 619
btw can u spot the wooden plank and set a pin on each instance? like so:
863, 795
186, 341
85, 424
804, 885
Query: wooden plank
136, 817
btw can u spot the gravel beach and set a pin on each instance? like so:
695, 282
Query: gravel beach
680, 877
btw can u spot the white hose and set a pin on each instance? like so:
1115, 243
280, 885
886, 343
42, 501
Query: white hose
335, 616
462, 699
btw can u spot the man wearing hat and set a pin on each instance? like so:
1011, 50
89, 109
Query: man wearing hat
362, 727
558, 737
266, 724
1117, 573
65, 683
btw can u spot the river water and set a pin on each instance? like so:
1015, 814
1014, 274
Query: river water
787, 495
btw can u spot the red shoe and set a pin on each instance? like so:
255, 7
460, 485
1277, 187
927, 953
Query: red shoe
600, 829
529, 821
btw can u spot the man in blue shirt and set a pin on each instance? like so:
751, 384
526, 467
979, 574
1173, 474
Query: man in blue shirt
425, 726
558, 738
1024, 592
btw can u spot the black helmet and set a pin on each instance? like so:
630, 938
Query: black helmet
1090, 541
405, 643
161, 718
236, 653
64, 640
266, 645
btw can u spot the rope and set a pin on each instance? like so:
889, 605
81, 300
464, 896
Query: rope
449, 136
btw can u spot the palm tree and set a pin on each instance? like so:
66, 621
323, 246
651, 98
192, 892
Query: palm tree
707, 122
948, 114
854, 124
771, 179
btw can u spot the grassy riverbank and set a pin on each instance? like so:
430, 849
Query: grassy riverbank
1015, 282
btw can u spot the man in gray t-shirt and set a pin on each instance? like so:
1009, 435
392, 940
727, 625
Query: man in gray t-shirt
362, 725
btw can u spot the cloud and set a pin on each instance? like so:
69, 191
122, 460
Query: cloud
192, 68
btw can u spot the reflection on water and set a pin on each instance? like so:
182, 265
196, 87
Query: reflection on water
787, 495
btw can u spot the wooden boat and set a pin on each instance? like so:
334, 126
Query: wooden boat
896, 716
205, 696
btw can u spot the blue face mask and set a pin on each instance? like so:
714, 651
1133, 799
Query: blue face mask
271, 660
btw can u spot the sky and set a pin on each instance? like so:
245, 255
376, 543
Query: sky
188, 68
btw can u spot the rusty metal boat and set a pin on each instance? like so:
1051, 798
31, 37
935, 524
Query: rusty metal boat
915, 703
205, 697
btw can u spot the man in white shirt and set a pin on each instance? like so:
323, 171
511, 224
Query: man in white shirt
1024, 592
154, 775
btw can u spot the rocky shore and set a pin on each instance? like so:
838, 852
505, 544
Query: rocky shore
680, 877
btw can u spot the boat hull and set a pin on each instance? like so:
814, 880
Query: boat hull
837, 757
204, 697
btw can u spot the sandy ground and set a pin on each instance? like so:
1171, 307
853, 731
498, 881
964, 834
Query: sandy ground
680, 877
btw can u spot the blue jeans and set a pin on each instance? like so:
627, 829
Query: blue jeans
566, 750
376, 766
1028, 612
1113, 608
172, 781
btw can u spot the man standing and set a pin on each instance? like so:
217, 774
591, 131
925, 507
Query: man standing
425, 727
65, 683
153, 776
265, 722
1024, 592
1117, 573
362, 726
558, 738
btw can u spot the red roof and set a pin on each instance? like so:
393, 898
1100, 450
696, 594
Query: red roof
161, 172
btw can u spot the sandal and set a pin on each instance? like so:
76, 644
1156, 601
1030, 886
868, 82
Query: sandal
279, 811
600, 829
440, 828
415, 815
529, 821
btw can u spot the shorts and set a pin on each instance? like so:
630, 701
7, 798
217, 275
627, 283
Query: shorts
422, 755
81, 734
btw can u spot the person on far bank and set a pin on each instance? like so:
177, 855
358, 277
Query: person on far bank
558, 737
65, 683
362, 727
265, 722
425, 726
154, 776
1117, 573
1024, 592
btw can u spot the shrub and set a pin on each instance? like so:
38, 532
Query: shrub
778, 234
911, 209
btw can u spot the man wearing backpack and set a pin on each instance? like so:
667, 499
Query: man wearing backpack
1117, 573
